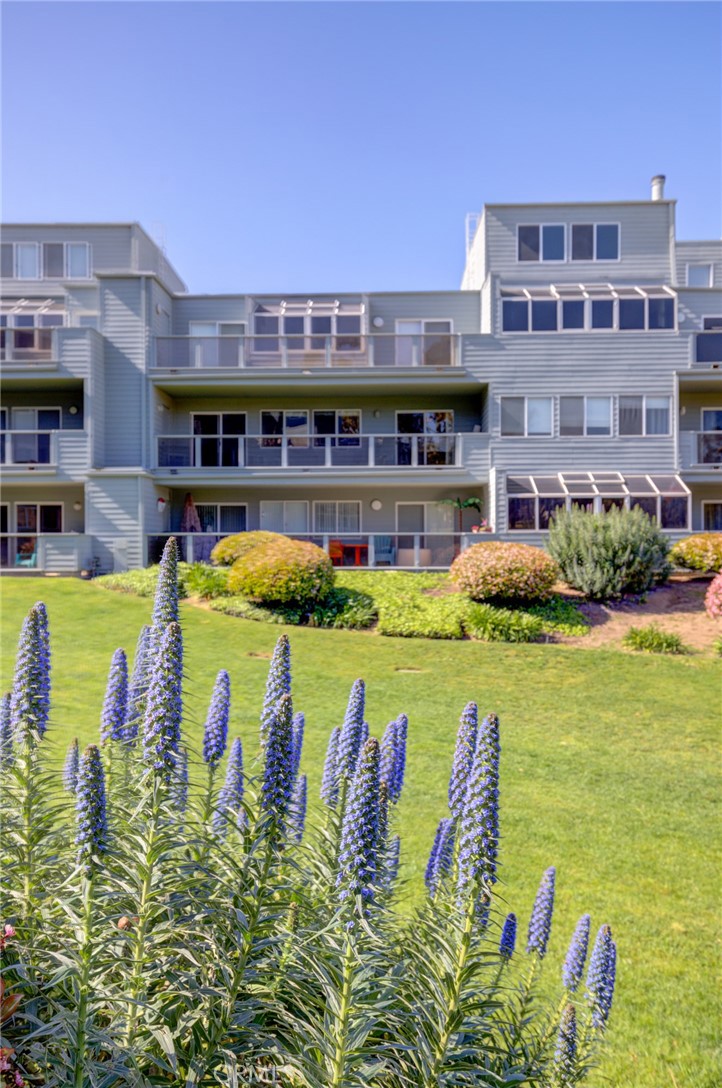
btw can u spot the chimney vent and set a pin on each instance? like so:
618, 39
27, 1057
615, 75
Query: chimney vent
658, 187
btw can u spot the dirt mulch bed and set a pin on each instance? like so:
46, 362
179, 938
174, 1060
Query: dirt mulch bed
677, 607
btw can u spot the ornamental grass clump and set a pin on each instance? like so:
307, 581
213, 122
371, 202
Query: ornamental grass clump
495, 570
161, 932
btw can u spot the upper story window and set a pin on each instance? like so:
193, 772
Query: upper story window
46, 260
582, 308
557, 242
307, 326
699, 275
585, 416
642, 415
526, 417
595, 242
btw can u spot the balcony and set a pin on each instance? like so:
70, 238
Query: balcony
700, 449
380, 350
23, 452
316, 452
401, 551
58, 552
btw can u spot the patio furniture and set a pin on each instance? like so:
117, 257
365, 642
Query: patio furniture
384, 551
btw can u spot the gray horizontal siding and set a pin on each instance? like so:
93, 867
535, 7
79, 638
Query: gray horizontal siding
65, 555
112, 516
124, 363
695, 305
699, 253
76, 350
185, 310
73, 454
550, 455
461, 307
111, 245
644, 234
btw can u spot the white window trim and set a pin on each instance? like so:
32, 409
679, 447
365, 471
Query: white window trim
587, 302
424, 321
328, 532
707, 408
38, 251
41, 265
284, 503
699, 264
310, 411
36, 408
66, 262
307, 335
595, 259
526, 398
708, 502
597, 501
426, 504
423, 412
586, 397
540, 259
645, 396
218, 505
27, 532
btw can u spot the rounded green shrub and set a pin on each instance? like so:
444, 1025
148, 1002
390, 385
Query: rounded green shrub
609, 554
206, 582
231, 548
702, 551
499, 571
285, 570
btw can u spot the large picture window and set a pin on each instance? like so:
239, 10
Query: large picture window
644, 415
571, 308
307, 327
532, 501
585, 416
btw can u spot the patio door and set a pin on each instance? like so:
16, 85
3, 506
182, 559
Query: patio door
430, 448
422, 342
34, 518
33, 448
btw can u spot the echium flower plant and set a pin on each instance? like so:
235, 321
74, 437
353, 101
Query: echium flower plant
277, 684
138, 685
357, 858
441, 855
540, 923
71, 767
393, 756
164, 707
115, 704
6, 732
330, 779
30, 699
299, 725
576, 955
165, 604
215, 732
463, 758
601, 976
565, 1054
349, 742
507, 941
479, 826
297, 808
229, 808
90, 807
277, 781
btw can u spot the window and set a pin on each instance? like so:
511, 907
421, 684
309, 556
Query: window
595, 242
336, 427
532, 501
293, 424
709, 342
660, 313
602, 313
543, 316
631, 313
699, 275
49, 260
546, 242
515, 315
337, 517
307, 326
77, 260
279, 516
42, 517
424, 342
573, 314
711, 516
436, 442
526, 416
222, 517
643, 415
585, 416
217, 439
27, 263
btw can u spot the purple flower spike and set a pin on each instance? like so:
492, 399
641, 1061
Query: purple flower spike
277, 781
393, 857
359, 834
601, 977
138, 686
565, 1053
463, 758
230, 798
164, 706
165, 605
6, 732
397, 779
299, 724
180, 782
441, 856
30, 699
277, 684
479, 826
540, 923
349, 743
91, 819
297, 811
115, 704
215, 733
329, 782
388, 753
576, 955
365, 733
507, 942
70, 768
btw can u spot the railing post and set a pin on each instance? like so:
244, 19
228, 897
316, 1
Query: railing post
328, 460
328, 351
283, 344
372, 550
417, 549
458, 459
371, 455
370, 351
54, 459
415, 345
284, 451
240, 354
415, 451
241, 451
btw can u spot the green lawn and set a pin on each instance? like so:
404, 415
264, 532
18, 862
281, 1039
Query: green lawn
610, 770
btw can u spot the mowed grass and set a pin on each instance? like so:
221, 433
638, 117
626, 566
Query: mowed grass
610, 771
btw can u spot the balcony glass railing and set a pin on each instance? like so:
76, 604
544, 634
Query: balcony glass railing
26, 345
709, 447
28, 448
305, 352
414, 551
310, 451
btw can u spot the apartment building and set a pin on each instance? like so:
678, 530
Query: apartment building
580, 363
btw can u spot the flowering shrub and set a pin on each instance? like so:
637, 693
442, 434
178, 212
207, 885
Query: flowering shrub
609, 554
231, 548
287, 570
504, 571
703, 551
211, 936
713, 598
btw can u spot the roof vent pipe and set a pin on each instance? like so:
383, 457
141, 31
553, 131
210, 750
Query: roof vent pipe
658, 186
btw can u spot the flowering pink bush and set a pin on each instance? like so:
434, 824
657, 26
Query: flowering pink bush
713, 598
509, 571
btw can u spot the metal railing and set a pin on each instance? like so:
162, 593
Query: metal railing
28, 448
304, 352
697, 448
410, 551
69, 552
310, 451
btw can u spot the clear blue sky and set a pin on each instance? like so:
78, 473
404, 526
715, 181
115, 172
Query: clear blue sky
338, 146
